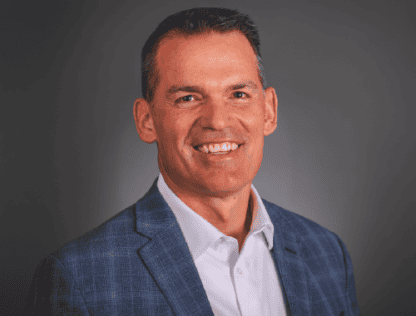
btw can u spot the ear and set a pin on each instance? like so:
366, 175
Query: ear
270, 118
144, 121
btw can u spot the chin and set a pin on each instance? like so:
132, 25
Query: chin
219, 186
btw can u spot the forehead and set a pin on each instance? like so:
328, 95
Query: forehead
206, 58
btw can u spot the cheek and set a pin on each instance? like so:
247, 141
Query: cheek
255, 123
256, 156
254, 113
175, 132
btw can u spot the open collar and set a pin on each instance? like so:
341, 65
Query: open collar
169, 260
199, 233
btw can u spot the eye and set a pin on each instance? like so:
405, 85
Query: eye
186, 98
240, 95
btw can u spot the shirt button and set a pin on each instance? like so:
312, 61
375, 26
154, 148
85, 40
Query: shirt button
239, 271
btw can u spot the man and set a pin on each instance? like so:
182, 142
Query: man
201, 241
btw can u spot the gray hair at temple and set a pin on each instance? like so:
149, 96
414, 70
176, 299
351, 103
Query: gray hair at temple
193, 22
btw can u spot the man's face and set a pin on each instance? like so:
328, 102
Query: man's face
209, 93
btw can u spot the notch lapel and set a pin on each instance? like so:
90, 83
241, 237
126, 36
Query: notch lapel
289, 264
167, 256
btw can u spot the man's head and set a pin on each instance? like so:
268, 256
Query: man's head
202, 84
191, 23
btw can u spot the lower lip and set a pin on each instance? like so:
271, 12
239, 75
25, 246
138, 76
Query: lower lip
221, 155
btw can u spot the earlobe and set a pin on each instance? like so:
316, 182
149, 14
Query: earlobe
270, 119
144, 121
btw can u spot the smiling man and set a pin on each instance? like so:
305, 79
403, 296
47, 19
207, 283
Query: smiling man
209, 115
201, 241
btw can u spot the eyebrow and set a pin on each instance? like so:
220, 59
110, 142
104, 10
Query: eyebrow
241, 85
245, 84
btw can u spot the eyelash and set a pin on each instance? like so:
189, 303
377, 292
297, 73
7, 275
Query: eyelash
245, 94
180, 100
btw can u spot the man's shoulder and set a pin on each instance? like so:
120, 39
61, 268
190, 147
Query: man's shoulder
118, 236
295, 223
315, 242
115, 233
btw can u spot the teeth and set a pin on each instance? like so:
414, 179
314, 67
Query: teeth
203, 148
214, 148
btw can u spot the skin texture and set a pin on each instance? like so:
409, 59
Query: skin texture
209, 91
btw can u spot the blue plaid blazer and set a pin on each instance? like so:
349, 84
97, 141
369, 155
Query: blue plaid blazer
138, 263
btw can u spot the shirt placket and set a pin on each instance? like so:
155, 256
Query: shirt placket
246, 290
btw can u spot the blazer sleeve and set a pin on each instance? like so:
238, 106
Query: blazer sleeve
351, 295
54, 291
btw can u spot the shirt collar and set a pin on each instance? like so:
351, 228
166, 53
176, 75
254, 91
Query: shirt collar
199, 233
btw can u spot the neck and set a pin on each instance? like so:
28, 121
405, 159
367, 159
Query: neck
232, 214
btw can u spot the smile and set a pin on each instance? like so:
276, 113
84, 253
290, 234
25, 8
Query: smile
217, 149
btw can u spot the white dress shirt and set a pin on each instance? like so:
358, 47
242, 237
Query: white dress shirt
240, 284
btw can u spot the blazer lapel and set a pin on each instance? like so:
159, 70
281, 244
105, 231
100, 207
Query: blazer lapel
290, 267
167, 257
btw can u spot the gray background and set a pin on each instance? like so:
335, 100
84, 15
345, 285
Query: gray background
343, 154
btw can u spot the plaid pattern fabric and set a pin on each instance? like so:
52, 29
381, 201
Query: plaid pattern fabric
138, 263
314, 266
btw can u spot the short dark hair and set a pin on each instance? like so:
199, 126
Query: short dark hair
192, 22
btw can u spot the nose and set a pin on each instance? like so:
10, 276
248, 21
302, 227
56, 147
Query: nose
216, 115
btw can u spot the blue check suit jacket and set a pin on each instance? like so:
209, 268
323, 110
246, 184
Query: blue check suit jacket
138, 263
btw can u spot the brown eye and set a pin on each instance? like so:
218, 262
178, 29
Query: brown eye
187, 98
239, 95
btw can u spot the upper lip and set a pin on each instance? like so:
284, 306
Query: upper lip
218, 141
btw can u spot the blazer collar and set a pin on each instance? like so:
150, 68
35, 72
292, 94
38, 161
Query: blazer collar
169, 261
167, 257
288, 260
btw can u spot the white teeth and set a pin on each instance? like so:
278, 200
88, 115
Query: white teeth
203, 148
215, 148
